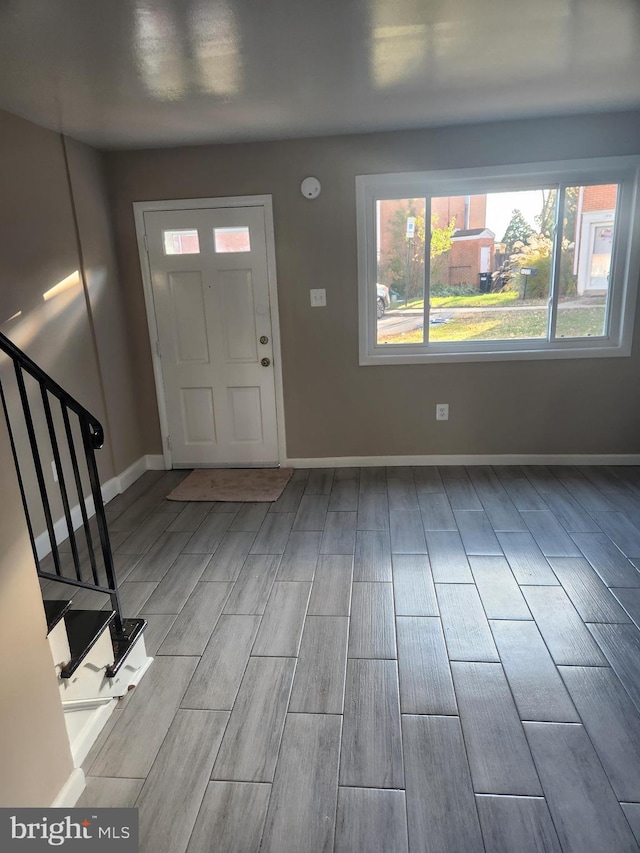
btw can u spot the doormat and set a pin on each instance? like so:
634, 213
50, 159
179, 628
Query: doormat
232, 484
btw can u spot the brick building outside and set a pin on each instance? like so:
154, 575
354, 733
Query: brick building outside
473, 248
473, 244
595, 216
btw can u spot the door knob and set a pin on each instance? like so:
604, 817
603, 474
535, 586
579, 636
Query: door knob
265, 362
264, 339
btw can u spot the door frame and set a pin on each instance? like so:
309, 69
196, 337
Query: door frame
264, 201
590, 221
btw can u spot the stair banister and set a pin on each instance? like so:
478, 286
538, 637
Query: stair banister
92, 434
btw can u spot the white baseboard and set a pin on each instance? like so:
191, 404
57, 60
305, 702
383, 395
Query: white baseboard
130, 475
155, 462
114, 486
85, 719
506, 459
109, 490
43, 545
71, 791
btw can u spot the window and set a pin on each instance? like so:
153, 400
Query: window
534, 261
233, 239
181, 242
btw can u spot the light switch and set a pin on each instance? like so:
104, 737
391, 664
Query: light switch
318, 297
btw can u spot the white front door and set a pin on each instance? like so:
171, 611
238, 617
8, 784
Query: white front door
211, 298
595, 252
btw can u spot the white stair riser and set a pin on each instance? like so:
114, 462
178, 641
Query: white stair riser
59, 645
134, 667
89, 680
89, 697
85, 716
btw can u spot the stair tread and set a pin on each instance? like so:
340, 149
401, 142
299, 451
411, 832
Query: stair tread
54, 611
84, 628
124, 643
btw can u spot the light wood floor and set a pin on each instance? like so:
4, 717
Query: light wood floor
392, 660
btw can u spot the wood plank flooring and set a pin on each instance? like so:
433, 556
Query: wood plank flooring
398, 660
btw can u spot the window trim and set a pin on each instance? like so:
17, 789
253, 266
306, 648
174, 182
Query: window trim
624, 171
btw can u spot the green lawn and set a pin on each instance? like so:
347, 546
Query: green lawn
498, 325
479, 300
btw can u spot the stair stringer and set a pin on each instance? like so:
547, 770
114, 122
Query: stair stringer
88, 697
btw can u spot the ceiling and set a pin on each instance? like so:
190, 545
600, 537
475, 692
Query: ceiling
128, 73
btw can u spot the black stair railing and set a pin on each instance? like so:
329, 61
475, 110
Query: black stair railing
85, 570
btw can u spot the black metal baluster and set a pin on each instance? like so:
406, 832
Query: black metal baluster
92, 439
78, 481
19, 473
89, 441
38, 466
63, 489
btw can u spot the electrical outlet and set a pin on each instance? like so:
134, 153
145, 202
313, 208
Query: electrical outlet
318, 297
442, 411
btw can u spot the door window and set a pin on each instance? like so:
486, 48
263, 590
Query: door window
181, 242
232, 239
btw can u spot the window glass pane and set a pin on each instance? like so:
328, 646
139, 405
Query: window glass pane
587, 244
400, 267
232, 239
181, 242
491, 258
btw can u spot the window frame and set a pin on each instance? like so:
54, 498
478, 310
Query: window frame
625, 262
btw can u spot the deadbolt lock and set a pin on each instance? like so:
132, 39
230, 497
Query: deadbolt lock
264, 339
265, 362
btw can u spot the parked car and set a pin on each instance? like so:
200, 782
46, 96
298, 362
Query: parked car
383, 301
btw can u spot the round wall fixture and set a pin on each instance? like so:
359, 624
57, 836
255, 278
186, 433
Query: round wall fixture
310, 188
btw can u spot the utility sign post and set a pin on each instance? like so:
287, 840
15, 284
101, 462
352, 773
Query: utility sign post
410, 234
411, 227
526, 272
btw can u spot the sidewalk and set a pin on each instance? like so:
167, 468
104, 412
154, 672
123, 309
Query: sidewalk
517, 306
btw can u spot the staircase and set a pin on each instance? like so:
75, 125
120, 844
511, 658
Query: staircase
95, 666
98, 655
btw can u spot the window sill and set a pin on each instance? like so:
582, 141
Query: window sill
495, 353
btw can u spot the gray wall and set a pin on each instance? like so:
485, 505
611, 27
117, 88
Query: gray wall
36, 759
333, 406
72, 336
106, 315
38, 251
56, 225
